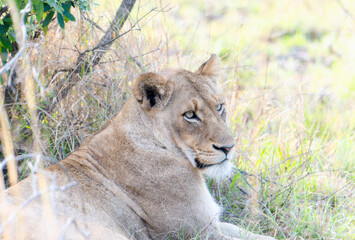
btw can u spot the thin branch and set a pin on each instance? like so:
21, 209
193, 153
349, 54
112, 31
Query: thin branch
330, 195
111, 40
133, 59
91, 57
107, 40
24, 37
346, 11
86, 18
31, 199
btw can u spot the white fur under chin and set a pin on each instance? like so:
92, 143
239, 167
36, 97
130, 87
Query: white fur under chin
219, 172
222, 171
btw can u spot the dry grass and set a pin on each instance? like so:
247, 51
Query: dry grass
288, 74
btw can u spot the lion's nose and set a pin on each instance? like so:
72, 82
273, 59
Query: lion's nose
225, 149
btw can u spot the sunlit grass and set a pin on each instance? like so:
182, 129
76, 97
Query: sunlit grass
292, 65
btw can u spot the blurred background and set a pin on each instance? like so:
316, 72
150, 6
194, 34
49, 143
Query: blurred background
288, 74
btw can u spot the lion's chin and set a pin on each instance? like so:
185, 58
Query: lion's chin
219, 172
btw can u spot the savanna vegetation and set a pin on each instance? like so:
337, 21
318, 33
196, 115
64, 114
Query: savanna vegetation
288, 75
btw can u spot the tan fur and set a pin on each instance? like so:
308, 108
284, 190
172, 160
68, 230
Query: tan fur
138, 178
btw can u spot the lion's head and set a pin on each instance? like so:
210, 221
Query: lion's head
189, 106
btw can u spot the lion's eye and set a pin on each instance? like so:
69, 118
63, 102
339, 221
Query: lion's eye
220, 108
190, 116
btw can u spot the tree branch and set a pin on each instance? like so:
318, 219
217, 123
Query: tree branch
106, 41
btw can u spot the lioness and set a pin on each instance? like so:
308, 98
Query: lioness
140, 177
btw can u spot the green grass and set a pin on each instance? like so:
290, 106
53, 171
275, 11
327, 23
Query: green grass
293, 113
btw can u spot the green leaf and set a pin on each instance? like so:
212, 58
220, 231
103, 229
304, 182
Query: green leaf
39, 12
4, 28
66, 6
60, 20
66, 12
7, 19
4, 54
35, 2
5, 42
48, 18
69, 15
53, 3
45, 29
46, 7
11, 35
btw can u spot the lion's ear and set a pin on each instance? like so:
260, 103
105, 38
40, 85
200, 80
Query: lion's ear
152, 91
211, 68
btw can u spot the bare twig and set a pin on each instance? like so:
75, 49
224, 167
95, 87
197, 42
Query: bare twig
86, 18
330, 195
108, 38
91, 57
109, 41
97, 52
31, 199
347, 12
10, 63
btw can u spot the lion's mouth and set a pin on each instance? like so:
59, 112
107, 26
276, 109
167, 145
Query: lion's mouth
201, 165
